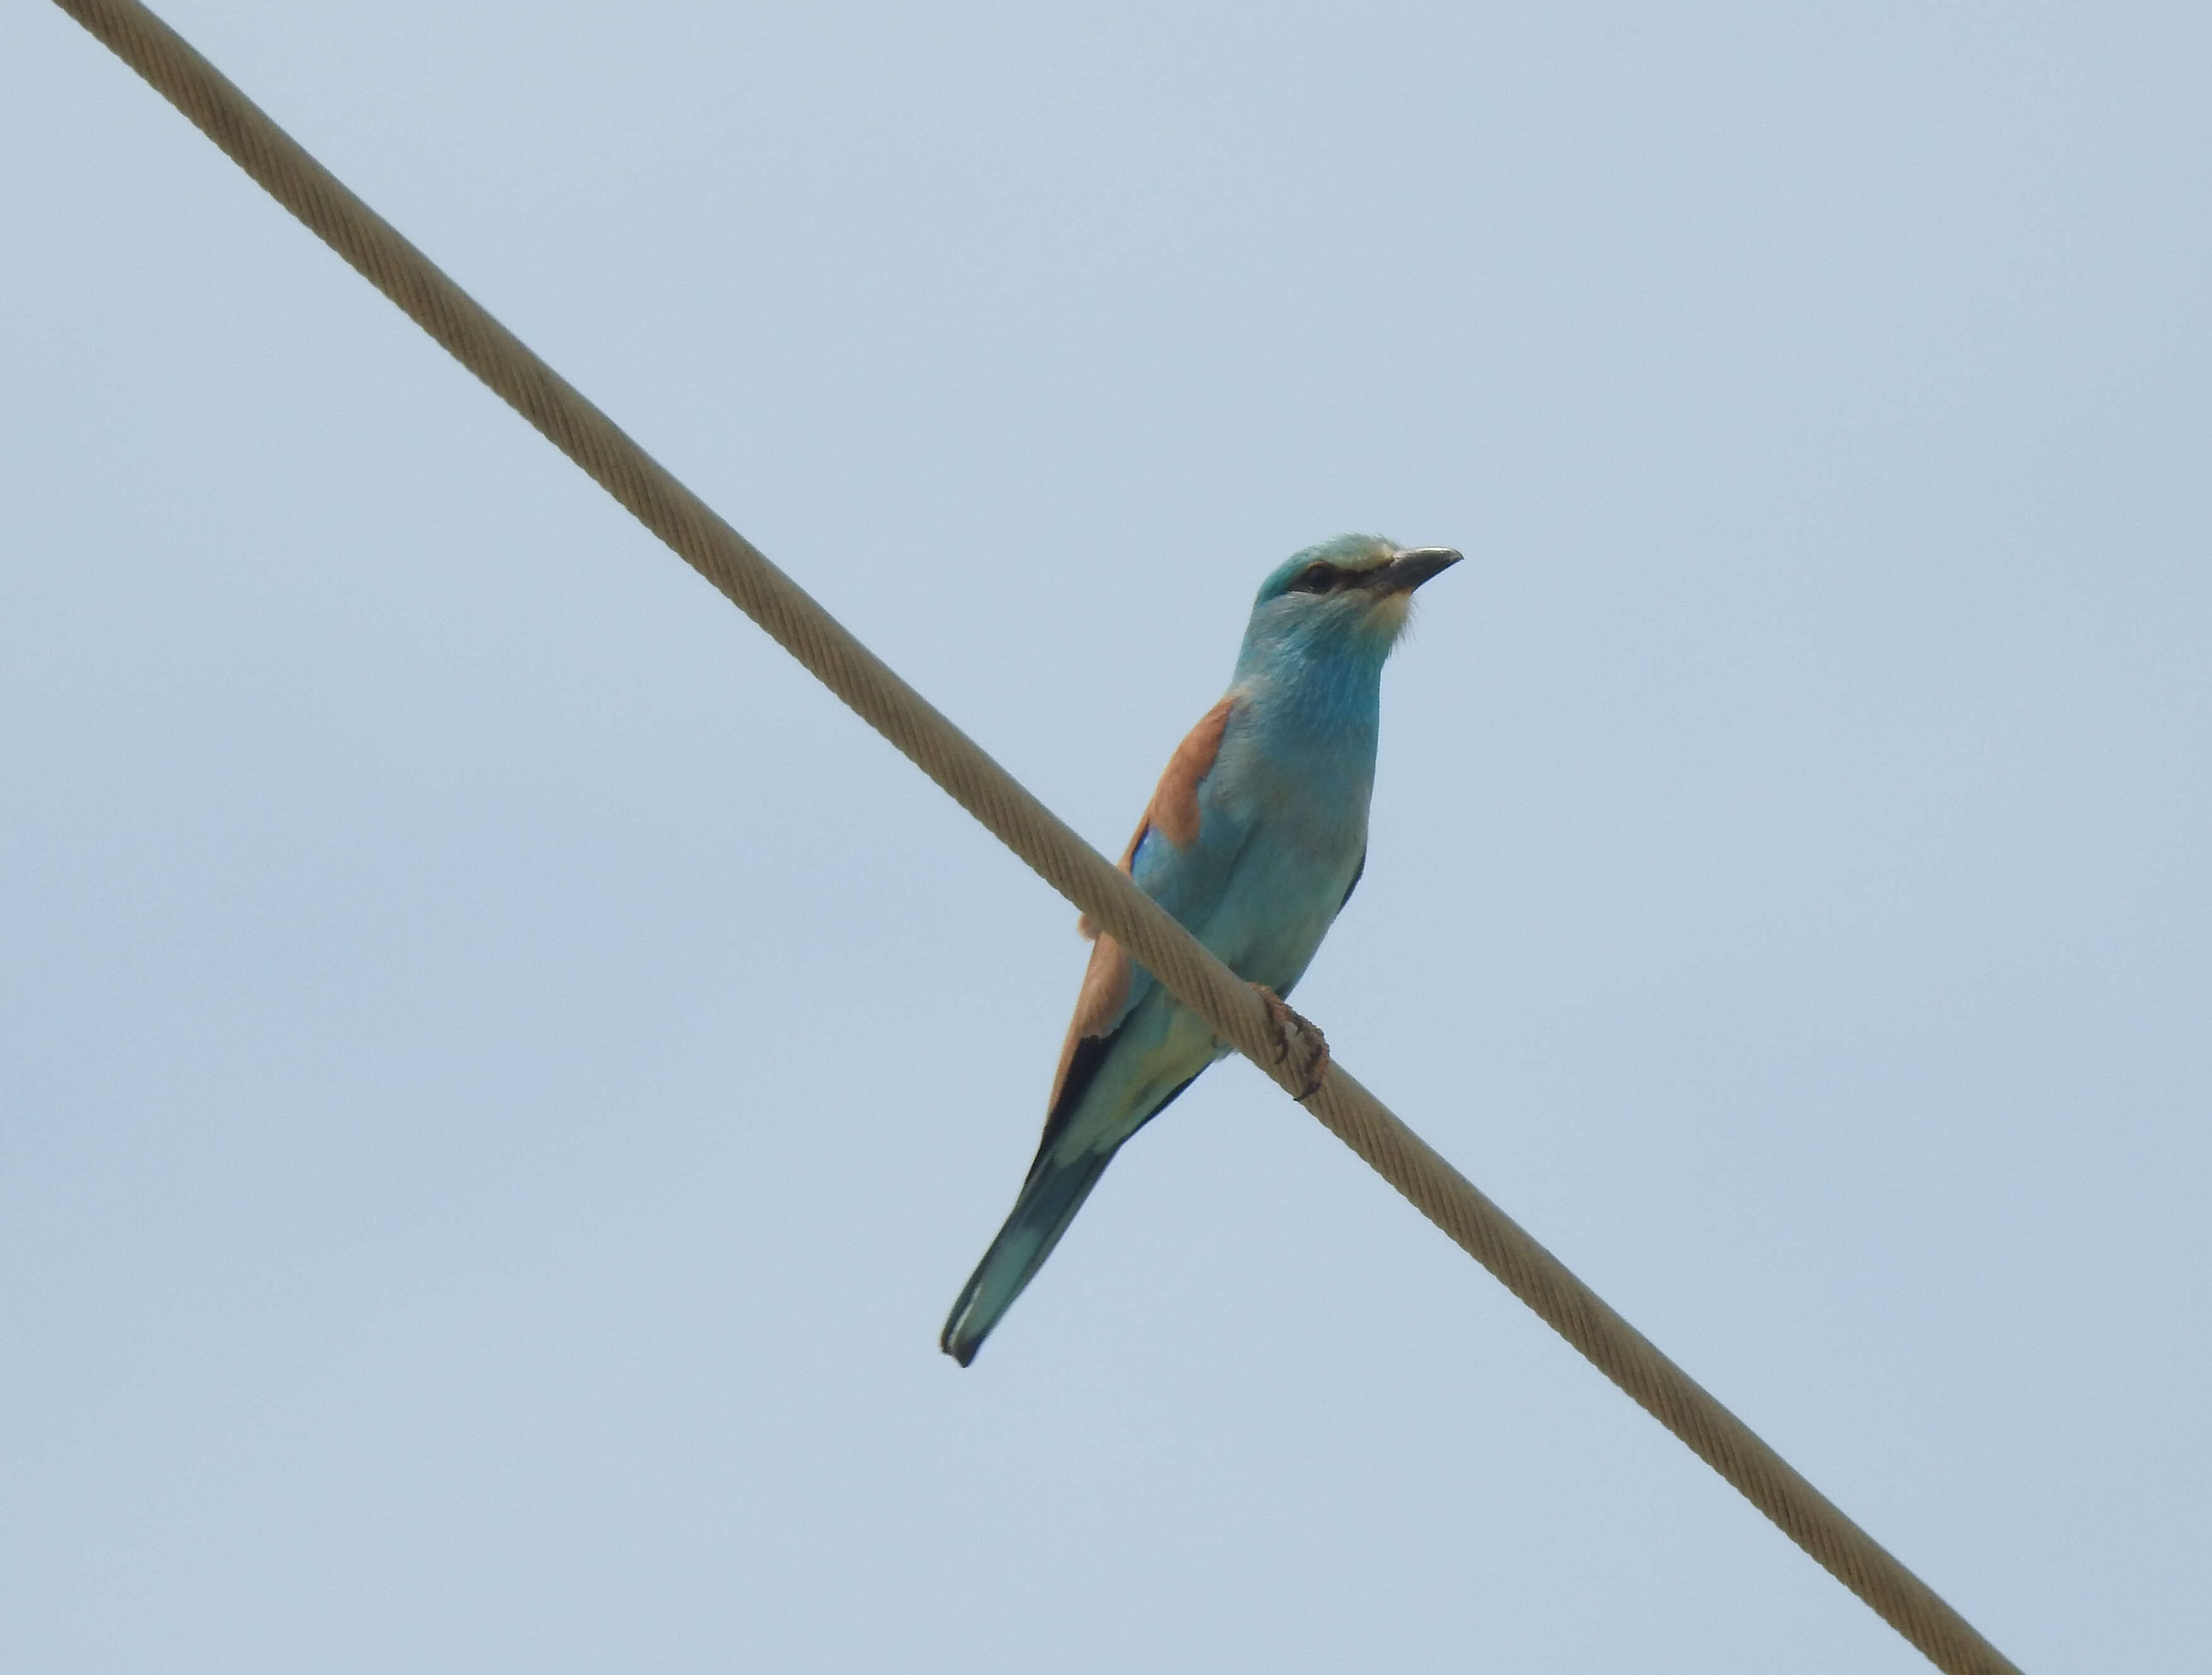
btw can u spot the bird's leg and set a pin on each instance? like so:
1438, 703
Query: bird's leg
1298, 1043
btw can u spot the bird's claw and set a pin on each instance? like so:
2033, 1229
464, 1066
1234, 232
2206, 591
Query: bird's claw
1298, 1043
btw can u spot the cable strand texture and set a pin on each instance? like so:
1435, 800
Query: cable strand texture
1079, 873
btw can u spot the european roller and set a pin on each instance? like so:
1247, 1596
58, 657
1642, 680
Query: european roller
1253, 841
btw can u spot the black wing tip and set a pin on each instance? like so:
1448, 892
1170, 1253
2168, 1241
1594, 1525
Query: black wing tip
1082, 1070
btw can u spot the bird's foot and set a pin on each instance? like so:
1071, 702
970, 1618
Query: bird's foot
1298, 1043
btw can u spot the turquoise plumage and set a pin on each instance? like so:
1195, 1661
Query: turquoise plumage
1254, 840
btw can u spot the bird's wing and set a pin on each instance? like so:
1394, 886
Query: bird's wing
1126, 1057
1164, 857
1171, 823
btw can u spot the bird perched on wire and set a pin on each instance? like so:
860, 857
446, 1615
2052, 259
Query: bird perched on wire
1253, 841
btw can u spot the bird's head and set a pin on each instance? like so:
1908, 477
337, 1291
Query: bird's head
1348, 598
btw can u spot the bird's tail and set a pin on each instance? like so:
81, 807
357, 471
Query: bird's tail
1050, 1198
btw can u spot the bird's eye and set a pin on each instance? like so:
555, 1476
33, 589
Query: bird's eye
1315, 579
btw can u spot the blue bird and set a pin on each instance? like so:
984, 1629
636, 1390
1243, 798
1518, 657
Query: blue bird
1253, 841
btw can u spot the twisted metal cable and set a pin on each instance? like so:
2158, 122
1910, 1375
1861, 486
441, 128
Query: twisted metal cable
1062, 858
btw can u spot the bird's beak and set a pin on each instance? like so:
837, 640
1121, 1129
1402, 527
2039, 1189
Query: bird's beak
1410, 568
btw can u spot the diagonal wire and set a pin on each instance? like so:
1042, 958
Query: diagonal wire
986, 790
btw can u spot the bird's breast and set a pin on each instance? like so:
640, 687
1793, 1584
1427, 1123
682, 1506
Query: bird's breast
1309, 792
1296, 824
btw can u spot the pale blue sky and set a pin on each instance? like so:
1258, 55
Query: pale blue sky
500, 1076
